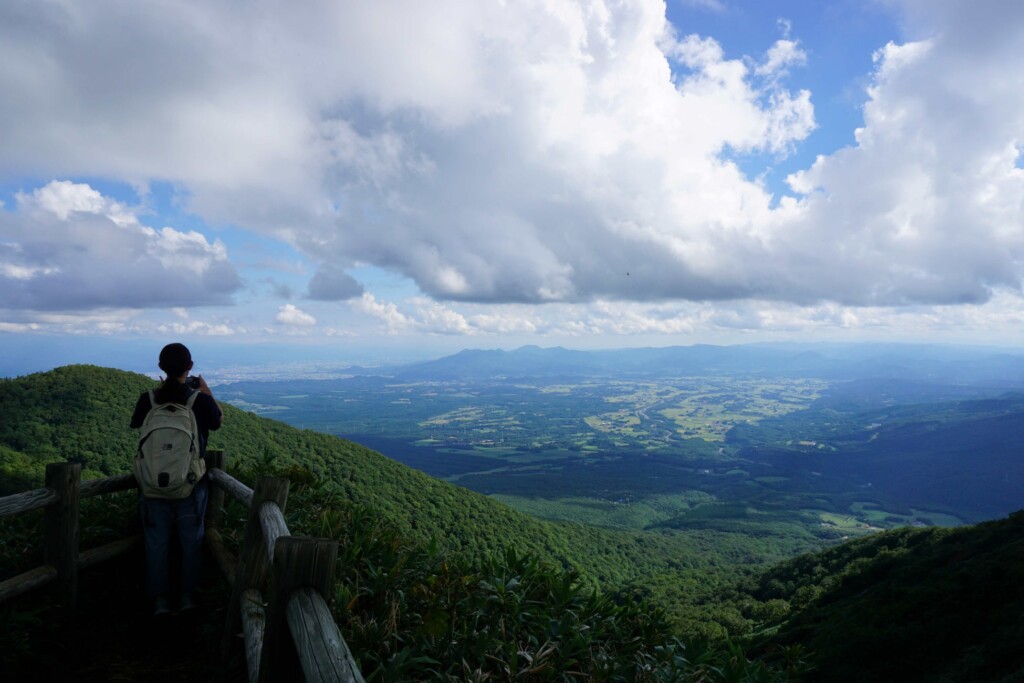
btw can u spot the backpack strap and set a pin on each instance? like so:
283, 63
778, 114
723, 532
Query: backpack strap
188, 404
152, 404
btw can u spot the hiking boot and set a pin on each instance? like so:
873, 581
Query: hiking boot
186, 603
161, 607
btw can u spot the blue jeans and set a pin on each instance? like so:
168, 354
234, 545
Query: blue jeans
159, 518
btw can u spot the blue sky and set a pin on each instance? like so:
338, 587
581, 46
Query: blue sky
393, 180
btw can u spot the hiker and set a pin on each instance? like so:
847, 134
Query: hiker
174, 492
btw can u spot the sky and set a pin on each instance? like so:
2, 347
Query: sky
398, 179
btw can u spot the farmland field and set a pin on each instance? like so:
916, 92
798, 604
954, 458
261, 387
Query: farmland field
791, 459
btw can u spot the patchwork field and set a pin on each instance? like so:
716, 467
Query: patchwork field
787, 459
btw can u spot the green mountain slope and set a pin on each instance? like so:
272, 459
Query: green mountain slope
82, 412
412, 612
909, 605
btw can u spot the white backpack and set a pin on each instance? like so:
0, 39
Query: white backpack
168, 463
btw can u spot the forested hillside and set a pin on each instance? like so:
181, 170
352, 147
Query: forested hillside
908, 605
445, 584
81, 413
439, 583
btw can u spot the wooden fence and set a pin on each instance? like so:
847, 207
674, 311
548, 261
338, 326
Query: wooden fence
281, 583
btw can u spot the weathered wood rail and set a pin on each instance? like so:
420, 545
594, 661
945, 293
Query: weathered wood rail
281, 584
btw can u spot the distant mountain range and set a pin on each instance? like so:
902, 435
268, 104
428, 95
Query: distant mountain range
967, 365
930, 427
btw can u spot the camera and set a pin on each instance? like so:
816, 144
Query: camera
192, 382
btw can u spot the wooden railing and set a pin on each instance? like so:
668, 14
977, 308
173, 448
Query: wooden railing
281, 583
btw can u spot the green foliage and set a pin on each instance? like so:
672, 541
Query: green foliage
410, 611
78, 413
927, 604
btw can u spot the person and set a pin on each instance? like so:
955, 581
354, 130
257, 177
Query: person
187, 515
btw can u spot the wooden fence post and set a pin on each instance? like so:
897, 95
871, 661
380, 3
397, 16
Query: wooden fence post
215, 518
215, 506
253, 563
60, 548
298, 563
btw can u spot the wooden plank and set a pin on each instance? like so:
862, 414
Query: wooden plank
215, 544
234, 488
99, 487
61, 529
298, 563
254, 622
321, 648
273, 524
94, 556
254, 564
40, 576
22, 583
18, 503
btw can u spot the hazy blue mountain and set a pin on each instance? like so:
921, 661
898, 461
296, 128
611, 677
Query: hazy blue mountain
935, 364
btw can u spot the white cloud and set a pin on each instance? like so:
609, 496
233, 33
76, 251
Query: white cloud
67, 247
520, 320
928, 207
19, 327
289, 314
785, 26
14, 271
195, 327
539, 151
388, 313
113, 322
93, 322
700, 321
783, 54
437, 318
62, 198
489, 151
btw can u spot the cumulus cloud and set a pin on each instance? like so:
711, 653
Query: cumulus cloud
289, 314
197, 327
734, 321
67, 247
538, 151
387, 312
783, 54
928, 206
437, 318
330, 284
119, 322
